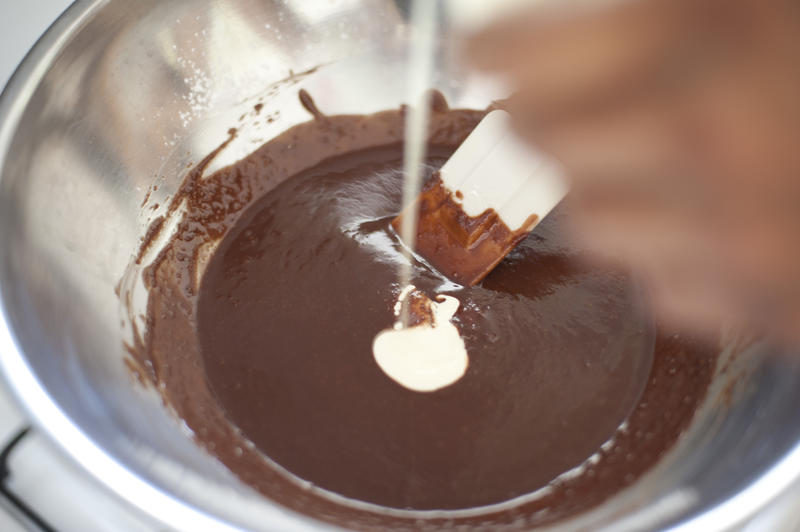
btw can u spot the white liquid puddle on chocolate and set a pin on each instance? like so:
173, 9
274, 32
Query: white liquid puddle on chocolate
424, 357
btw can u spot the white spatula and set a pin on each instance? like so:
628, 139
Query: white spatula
485, 199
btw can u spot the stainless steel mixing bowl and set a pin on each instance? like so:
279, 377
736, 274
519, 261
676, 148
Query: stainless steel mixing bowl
118, 96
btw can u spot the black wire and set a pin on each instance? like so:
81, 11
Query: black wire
5, 473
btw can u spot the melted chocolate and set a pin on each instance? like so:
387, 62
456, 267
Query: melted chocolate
268, 357
464, 248
297, 291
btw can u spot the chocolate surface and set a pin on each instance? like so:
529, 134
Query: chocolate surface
265, 351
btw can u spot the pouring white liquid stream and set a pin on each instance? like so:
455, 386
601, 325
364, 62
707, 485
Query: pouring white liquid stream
490, 171
420, 75
431, 355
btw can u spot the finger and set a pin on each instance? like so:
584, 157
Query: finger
565, 57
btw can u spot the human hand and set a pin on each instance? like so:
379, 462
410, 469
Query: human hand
678, 122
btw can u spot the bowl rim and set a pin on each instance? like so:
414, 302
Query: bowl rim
63, 434
26, 389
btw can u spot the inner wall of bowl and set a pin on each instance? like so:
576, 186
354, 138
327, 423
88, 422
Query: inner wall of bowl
145, 89
746, 424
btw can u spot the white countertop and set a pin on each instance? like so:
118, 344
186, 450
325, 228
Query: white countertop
21, 24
